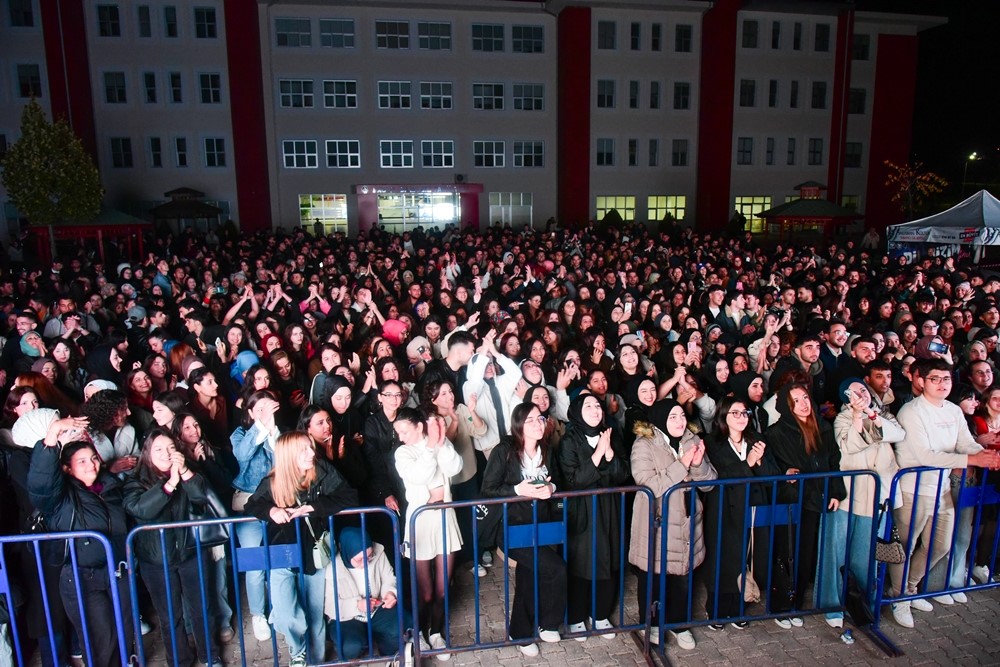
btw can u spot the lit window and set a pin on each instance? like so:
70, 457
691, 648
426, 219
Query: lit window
329, 210
513, 208
624, 204
665, 207
750, 207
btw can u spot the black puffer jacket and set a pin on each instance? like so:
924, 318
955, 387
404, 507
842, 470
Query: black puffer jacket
67, 505
147, 502
380, 447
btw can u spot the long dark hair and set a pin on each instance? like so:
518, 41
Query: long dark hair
145, 471
252, 401
517, 417
721, 425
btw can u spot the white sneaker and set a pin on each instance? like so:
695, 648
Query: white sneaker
960, 598
901, 613
261, 630
144, 627
654, 636
486, 559
578, 627
437, 642
424, 646
527, 650
797, 621
603, 624
549, 636
298, 661
944, 599
479, 570
835, 622
685, 639
783, 623
981, 574
921, 604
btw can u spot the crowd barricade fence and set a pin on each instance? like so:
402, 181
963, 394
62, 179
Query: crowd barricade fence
536, 534
956, 542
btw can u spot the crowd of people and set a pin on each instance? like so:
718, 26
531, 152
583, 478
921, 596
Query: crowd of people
288, 377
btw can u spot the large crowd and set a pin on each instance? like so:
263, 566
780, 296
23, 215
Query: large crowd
288, 377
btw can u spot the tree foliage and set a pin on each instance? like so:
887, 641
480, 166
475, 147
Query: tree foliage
912, 186
48, 174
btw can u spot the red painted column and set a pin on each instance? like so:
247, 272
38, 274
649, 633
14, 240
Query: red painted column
469, 201
64, 27
573, 196
838, 117
892, 123
367, 211
246, 96
713, 202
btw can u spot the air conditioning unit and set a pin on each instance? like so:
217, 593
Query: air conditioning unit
459, 178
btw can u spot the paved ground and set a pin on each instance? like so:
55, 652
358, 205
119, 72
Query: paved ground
958, 635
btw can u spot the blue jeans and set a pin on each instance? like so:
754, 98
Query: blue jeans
298, 614
251, 534
941, 577
217, 574
354, 634
838, 529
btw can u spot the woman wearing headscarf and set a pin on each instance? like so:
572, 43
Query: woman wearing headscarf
105, 363
591, 457
666, 453
345, 448
748, 388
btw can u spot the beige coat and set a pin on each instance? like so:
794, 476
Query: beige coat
657, 466
871, 449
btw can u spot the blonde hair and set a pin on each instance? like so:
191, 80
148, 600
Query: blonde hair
286, 478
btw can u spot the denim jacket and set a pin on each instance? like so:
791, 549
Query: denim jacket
255, 455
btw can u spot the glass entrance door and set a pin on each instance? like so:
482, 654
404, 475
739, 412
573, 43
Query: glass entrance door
399, 212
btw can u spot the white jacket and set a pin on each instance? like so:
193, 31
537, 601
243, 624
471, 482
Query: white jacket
937, 437
351, 585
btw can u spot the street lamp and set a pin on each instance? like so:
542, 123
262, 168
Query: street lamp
965, 172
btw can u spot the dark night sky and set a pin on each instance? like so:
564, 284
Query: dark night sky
958, 103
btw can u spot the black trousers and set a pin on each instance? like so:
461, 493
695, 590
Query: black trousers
98, 611
551, 591
580, 598
677, 598
183, 578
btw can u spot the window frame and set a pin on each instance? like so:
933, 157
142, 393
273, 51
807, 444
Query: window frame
348, 95
343, 150
309, 159
404, 154
401, 91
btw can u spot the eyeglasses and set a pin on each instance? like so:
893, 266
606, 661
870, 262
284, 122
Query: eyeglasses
740, 413
394, 394
938, 379
540, 420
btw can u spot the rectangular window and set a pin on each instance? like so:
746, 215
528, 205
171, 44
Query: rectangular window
605, 152
340, 94
815, 152
749, 207
437, 154
529, 97
121, 152
660, 207
527, 39
861, 46
750, 28
683, 35
176, 88
654, 152
205, 26
336, 33
791, 152
487, 96
635, 36
797, 37
818, 95
149, 85
605, 94
606, 38
744, 150
170, 21
396, 154
292, 32
851, 201
821, 40
487, 37
435, 95
654, 94
679, 153
181, 151
215, 152
155, 152
329, 210
793, 95
393, 94
108, 22
856, 100
529, 154
682, 95
488, 153
656, 38
343, 153
145, 21
776, 34
434, 36
625, 205
748, 92
633, 152
633, 94
299, 154
296, 93
513, 208
769, 151
211, 88
772, 93
29, 81
22, 14
852, 154
114, 88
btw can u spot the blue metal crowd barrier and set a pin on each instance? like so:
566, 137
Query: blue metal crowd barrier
972, 508
535, 535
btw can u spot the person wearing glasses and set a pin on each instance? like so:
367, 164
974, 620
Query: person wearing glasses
937, 436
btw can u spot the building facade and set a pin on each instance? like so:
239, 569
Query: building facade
470, 112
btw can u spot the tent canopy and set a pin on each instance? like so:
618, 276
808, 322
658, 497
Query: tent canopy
975, 221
